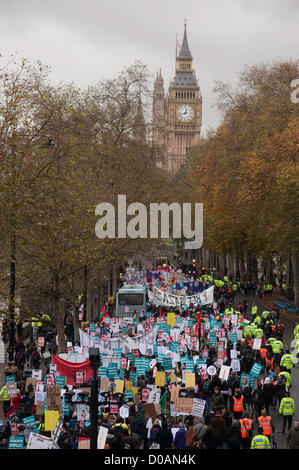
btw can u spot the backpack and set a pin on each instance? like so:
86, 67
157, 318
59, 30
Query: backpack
36, 356
20, 357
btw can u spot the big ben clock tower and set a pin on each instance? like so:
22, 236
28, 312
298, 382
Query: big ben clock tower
178, 115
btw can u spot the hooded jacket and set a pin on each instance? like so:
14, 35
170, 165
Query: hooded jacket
293, 436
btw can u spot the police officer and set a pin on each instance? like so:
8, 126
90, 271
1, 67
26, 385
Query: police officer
260, 441
287, 362
287, 409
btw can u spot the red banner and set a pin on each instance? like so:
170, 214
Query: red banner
69, 369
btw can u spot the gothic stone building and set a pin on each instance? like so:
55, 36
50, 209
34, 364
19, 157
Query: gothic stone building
177, 116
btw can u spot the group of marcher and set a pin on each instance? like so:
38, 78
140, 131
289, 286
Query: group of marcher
238, 411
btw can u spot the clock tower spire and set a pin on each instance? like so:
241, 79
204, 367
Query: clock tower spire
182, 110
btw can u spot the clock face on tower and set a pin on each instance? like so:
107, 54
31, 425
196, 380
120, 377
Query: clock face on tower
185, 112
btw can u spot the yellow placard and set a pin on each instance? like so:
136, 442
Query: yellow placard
135, 390
160, 379
171, 319
51, 418
190, 379
119, 386
128, 385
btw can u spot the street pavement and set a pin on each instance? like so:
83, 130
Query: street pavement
289, 319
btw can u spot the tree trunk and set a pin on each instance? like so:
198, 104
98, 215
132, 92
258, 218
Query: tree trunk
254, 268
295, 264
269, 267
230, 264
59, 318
247, 262
114, 281
222, 263
76, 323
242, 264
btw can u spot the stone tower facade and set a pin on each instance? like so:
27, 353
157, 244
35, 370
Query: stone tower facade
177, 116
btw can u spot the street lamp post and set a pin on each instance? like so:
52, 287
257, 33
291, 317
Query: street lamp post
12, 288
94, 360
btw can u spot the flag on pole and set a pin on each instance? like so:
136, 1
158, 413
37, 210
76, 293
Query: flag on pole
162, 401
103, 314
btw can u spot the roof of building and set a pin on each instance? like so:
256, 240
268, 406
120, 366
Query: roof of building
185, 51
185, 80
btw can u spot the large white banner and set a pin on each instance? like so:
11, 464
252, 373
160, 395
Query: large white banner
170, 300
108, 345
104, 345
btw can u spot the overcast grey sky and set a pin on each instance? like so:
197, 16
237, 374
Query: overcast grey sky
85, 41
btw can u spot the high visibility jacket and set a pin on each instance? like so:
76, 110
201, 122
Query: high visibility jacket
257, 320
34, 321
296, 329
245, 423
287, 406
247, 330
263, 352
46, 317
260, 442
252, 328
297, 344
265, 314
277, 346
287, 376
265, 422
238, 404
271, 340
287, 361
235, 287
258, 333
3, 394
254, 310
296, 335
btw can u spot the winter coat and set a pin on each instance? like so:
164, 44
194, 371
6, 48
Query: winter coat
293, 438
219, 426
217, 401
268, 392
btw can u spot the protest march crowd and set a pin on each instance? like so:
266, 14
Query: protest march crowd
195, 370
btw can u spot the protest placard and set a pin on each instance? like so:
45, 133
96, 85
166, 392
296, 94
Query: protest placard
40, 408
102, 436
190, 379
235, 365
83, 443
224, 372
171, 319
149, 409
257, 343
174, 393
16, 442
198, 407
37, 441
11, 389
104, 384
183, 405
30, 381
51, 418
160, 379
37, 374
119, 386
256, 369
53, 398
211, 370
80, 377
